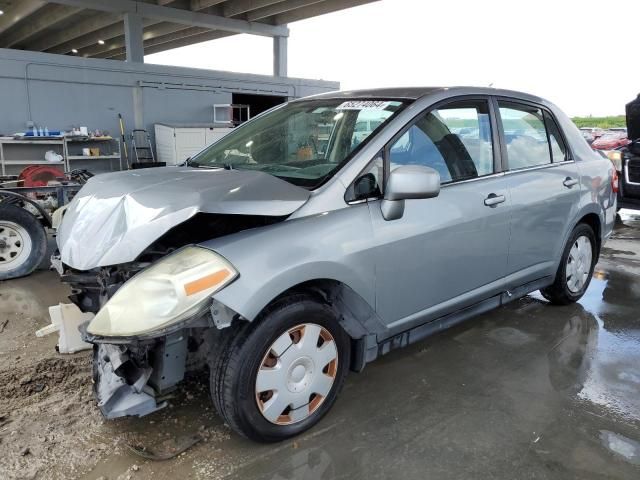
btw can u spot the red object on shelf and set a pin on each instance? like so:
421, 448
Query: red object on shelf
40, 175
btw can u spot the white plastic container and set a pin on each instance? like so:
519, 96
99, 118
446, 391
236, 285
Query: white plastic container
65, 319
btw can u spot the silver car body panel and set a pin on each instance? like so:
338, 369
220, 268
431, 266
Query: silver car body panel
459, 227
117, 215
333, 245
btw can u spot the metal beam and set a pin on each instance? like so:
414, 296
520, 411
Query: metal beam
193, 39
237, 7
279, 56
19, 10
277, 8
174, 15
133, 37
45, 18
152, 38
202, 4
85, 27
107, 33
322, 8
178, 35
155, 35
117, 43
183, 42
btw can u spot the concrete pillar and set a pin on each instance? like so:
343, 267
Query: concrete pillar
138, 108
279, 56
133, 37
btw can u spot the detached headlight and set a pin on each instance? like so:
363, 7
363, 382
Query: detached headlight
169, 291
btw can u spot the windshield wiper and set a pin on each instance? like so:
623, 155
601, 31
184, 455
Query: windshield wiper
207, 167
226, 166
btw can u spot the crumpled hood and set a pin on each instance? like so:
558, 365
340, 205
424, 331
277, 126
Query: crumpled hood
115, 216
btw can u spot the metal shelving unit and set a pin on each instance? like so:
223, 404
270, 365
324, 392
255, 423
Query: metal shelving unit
89, 157
12, 153
20, 153
32, 162
109, 150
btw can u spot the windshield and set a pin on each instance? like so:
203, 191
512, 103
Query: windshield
304, 143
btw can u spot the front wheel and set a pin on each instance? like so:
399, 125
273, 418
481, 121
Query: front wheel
279, 377
23, 242
576, 267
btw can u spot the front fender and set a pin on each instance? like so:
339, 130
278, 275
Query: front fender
336, 245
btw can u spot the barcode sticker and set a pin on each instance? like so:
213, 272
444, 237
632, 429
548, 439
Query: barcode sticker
363, 105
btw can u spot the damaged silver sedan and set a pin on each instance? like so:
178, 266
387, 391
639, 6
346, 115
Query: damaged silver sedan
322, 234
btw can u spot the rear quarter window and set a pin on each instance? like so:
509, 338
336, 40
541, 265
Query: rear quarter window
556, 142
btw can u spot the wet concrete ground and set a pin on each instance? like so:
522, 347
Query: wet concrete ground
526, 391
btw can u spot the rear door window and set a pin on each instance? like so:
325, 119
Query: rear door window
525, 135
455, 140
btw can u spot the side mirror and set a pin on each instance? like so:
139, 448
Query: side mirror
365, 186
405, 183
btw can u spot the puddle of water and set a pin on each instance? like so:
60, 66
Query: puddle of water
621, 446
510, 336
606, 351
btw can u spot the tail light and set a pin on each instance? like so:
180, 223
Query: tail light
615, 186
616, 158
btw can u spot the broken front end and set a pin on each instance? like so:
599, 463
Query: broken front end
153, 322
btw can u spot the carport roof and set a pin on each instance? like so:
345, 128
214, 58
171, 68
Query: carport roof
95, 28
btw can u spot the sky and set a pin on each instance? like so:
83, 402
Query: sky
576, 53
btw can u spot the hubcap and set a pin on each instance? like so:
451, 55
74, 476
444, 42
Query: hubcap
15, 245
296, 374
579, 264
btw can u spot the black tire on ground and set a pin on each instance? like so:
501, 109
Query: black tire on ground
242, 350
559, 293
29, 226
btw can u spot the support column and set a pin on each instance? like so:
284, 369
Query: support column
279, 56
133, 37
138, 108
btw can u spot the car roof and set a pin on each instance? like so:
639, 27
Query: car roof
413, 93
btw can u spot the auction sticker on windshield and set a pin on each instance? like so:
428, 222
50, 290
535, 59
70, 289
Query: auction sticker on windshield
363, 105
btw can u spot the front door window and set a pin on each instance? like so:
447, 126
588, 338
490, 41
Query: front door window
455, 140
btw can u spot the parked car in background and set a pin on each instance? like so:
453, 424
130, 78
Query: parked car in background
588, 136
610, 141
595, 132
627, 160
281, 274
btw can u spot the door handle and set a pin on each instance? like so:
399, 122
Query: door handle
570, 182
493, 200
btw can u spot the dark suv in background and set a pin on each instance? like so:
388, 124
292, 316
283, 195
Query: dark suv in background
627, 162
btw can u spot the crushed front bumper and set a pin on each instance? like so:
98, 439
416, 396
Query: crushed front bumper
131, 380
116, 397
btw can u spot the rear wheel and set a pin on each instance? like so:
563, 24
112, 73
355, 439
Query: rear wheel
576, 267
278, 378
23, 242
